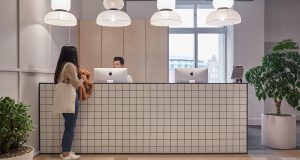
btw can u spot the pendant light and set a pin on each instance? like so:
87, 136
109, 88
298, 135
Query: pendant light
223, 15
166, 16
223, 3
60, 16
113, 16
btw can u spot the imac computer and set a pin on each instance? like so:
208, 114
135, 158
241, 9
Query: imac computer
191, 75
110, 75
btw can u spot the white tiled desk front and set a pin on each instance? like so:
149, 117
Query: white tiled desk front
152, 118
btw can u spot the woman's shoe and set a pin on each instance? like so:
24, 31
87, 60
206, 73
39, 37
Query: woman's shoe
71, 156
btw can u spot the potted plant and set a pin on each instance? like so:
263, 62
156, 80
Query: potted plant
15, 126
278, 78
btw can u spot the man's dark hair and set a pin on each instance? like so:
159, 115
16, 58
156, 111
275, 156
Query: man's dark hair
121, 59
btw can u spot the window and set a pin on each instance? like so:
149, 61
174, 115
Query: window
202, 13
193, 44
182, 56
188, 18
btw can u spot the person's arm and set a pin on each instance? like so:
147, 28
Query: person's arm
72, 75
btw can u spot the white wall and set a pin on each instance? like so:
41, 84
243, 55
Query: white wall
249, 48
8, 49
50, 38
9, 84
282, 22
8, 32
29, 59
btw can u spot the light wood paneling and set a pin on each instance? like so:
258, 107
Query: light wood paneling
134, 50
112, 45
156, 54
144, 47
90, 45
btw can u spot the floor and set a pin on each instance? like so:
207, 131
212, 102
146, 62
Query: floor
256, 152
252, 155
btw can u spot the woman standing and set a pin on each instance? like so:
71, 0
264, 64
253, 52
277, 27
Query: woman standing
68, 60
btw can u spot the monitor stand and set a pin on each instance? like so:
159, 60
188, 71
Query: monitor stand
192, 81
238, 80
110, 81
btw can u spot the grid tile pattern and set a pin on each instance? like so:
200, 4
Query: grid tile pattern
152, 118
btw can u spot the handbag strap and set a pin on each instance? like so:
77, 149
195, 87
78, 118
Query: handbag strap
61, 73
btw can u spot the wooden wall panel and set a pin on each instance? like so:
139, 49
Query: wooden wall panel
134, 50
144, 47
156, 54
90, 45
112, 45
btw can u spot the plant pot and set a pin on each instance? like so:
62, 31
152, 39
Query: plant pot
278, 132
26, 156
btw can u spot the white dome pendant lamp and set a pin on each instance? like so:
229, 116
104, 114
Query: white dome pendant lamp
166, 16
223, 15
60, 15
113, 16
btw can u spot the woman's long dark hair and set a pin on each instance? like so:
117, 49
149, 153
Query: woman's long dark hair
67, 54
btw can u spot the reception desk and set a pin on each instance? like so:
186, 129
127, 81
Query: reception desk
152, 118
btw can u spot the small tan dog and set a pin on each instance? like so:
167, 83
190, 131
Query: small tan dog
85, 91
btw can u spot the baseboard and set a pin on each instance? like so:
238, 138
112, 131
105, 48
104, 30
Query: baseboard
36, 153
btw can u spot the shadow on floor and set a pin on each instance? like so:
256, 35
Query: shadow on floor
254, 138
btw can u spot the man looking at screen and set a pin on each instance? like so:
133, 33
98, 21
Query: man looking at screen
118, 62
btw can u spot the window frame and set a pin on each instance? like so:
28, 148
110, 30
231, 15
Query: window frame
196, 31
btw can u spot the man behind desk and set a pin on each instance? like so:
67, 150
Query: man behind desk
118, 62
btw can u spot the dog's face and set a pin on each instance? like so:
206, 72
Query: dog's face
86, 73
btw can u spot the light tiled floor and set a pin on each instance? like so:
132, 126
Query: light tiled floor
252, 155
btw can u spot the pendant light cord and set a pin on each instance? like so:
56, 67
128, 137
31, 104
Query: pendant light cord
125, 5
69, 35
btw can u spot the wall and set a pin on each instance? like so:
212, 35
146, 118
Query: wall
136, 10
8, 49
29, 51
249, 47
141, 44
279, 25
141, 10
282, 20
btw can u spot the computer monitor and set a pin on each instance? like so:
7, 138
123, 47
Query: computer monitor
191, 75
110, 75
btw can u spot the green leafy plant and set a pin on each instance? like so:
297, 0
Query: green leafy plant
15, 124
279, 75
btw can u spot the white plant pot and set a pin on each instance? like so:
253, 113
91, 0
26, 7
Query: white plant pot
278, 132
27, 156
